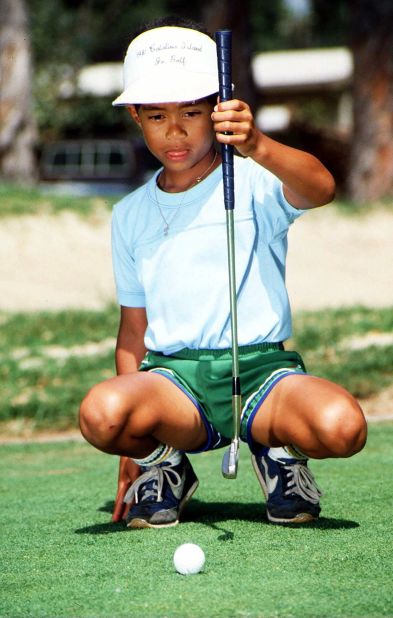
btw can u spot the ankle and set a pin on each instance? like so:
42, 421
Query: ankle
163, 452
286, 452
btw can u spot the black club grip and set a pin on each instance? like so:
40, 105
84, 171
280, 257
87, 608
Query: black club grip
224, 60
224, 63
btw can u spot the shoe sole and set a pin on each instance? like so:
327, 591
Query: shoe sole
138, 523
300, 518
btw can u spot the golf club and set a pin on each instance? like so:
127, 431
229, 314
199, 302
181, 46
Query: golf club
224, 58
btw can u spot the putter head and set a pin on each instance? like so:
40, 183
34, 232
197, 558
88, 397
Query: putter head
230, 460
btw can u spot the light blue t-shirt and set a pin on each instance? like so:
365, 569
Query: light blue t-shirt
182, 278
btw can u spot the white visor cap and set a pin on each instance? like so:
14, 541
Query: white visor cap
169, 65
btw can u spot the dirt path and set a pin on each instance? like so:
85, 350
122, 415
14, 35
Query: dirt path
335, 260
55, 262
64, 261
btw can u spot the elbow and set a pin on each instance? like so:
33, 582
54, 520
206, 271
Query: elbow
328, 190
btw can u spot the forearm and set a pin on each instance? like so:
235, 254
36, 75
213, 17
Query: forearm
130, 347
130, 350
307, 183
129, 355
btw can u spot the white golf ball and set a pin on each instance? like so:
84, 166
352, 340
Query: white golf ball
189, 559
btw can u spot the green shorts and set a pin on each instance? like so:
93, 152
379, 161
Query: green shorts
205, 376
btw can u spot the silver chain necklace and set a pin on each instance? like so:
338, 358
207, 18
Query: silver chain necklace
168, 223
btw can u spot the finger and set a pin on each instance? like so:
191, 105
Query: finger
232, 104
120, 506
132, 470
126, 509
128, 473
118, 512
243, 144
232, 121
243, 126
123, 464
233, 134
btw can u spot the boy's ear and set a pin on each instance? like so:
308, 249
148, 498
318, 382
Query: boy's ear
134, 114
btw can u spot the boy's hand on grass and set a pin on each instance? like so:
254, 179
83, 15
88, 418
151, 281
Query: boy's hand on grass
234, 124
128, 473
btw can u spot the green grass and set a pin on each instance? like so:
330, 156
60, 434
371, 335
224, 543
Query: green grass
324, 328
18, 200
43, 378
61, 555
66, 328
350, 208
324, 338
45, 369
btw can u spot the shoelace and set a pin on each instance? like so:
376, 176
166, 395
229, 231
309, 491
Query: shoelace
301, 481
156, 476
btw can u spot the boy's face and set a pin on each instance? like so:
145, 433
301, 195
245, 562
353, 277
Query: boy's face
178, 134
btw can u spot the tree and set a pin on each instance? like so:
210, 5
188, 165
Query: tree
235, 16
17, 128
371, 162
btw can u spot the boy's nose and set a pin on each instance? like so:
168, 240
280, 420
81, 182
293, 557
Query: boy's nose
175, 129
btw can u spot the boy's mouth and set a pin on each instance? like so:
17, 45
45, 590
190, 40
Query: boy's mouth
177, 155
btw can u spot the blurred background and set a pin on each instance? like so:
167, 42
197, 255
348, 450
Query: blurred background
318, 74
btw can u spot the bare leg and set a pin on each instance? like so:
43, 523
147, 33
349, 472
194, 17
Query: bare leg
131, 413
319, 417
321, 420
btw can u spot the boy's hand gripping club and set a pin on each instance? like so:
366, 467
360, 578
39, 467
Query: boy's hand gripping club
224, 58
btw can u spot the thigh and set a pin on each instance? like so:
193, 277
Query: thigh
138, 405
176, 417
317, 415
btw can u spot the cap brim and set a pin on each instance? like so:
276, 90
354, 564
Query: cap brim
166, 89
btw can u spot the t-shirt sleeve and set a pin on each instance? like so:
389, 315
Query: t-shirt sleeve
278, 213
128, 288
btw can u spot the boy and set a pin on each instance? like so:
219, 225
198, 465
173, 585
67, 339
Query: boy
173, 391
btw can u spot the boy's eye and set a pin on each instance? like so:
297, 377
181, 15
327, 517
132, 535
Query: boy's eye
192, 113
188, 113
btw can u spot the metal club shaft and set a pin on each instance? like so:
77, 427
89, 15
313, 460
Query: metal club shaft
224, 58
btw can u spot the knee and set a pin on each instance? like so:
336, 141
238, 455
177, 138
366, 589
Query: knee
100, 416
344, 428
